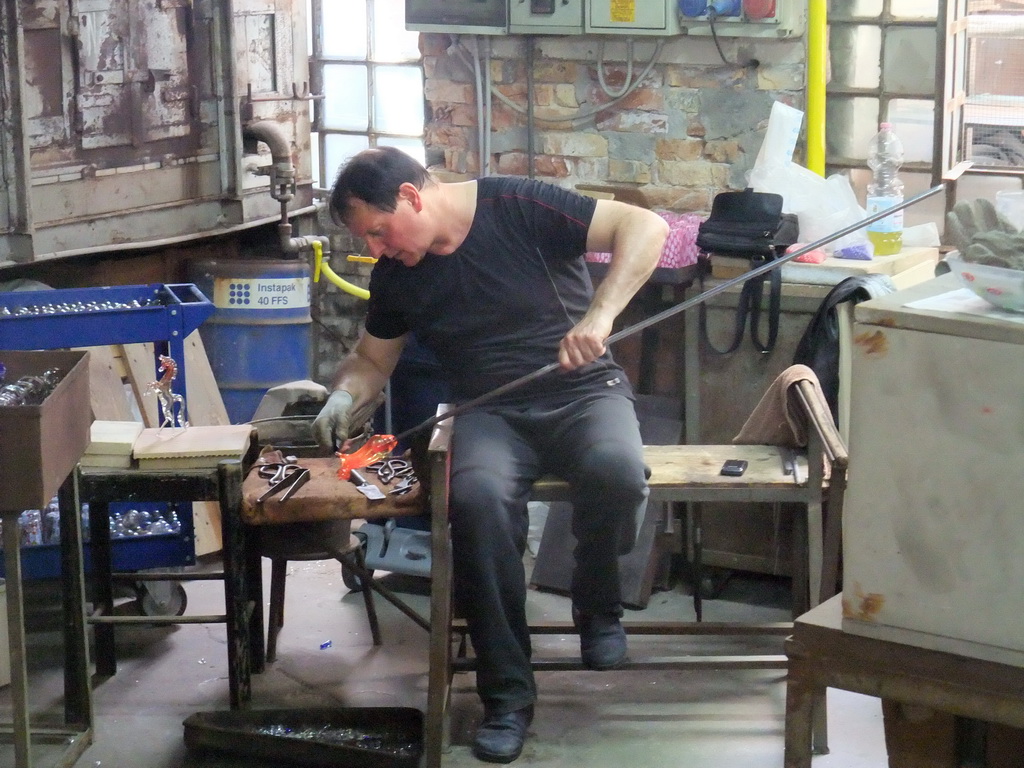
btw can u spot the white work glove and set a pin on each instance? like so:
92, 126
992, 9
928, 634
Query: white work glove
332, 425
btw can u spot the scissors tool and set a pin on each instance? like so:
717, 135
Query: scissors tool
404, 486
388, 469
285, 477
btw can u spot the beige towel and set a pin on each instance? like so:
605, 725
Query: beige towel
778, 419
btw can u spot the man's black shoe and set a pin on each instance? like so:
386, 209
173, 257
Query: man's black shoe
602, 639
499, 739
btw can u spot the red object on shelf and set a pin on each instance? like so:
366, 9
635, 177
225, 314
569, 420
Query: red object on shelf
759, 9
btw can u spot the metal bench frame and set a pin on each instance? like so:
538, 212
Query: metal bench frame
680, 474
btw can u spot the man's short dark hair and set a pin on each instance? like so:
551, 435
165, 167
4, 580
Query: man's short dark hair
374, 176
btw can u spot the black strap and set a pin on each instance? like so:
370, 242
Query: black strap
737, 334
774, 307
749, 303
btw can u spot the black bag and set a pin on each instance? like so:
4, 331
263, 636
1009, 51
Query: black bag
748, 224
751, 225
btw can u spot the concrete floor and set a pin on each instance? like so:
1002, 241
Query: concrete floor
699, 719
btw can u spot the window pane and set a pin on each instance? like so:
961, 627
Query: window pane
852, 121
913, 120
854, 9
345, 28
391, 41
855, 52
910, 60
346, 106
915, 9
338, 148
412, 147
398, 100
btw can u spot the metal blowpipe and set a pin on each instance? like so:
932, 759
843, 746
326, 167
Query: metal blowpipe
665, 314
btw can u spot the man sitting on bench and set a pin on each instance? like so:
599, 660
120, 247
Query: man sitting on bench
490, 276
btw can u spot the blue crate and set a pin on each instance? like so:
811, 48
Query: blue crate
128, 554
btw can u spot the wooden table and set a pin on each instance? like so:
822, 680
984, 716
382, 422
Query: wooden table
323, 497
221, 483
822, 656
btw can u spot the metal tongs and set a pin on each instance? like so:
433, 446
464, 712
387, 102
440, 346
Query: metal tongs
287, 477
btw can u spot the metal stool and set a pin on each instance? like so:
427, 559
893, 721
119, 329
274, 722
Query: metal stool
314, 540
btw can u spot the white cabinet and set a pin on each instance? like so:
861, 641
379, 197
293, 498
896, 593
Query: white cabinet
933, 529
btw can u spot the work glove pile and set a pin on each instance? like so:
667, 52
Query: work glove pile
983, 236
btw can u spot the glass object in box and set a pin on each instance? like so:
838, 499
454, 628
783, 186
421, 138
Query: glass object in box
29, 390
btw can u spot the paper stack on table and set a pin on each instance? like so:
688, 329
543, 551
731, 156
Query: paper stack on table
190, 447
110, 444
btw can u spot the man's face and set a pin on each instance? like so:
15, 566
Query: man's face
396, 235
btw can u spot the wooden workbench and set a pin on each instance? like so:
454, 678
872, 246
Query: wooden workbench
324, 497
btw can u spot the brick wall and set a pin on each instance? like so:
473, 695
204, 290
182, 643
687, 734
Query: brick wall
691, 128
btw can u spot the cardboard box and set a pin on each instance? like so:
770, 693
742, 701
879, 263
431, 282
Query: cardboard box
41, 444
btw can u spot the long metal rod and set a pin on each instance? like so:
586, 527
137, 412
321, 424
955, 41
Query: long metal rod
671, 311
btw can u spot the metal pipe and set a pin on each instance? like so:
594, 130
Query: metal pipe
817, 56
282, 185
671, 311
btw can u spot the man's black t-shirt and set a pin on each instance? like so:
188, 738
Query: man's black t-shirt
496, 308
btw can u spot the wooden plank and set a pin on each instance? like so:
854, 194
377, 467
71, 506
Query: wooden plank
206, 409
206, 519
107, 397
140, 361
831, 270
204, 402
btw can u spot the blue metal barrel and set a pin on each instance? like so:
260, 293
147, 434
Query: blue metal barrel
259, 333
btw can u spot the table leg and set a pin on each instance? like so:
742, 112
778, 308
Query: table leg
236, 596
103, 586
799, 717
77, 690
16, 640
254, 589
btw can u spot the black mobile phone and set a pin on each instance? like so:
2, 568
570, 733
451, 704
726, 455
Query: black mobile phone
734, 467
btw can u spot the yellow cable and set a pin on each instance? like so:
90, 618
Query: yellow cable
322, 266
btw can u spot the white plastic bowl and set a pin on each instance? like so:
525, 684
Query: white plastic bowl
999, 286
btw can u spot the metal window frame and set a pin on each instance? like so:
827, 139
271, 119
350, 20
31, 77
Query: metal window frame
885, 21
316, 67
953, 70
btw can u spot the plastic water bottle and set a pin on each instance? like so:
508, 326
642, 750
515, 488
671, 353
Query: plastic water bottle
885, 156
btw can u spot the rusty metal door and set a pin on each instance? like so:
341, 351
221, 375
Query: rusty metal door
133, 71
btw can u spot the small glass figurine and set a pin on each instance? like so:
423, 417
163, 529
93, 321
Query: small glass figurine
166, 397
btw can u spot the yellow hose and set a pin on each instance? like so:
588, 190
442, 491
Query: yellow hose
322, 266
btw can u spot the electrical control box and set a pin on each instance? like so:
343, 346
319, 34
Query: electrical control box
545, 17
474, 17
743, 18
632, 17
